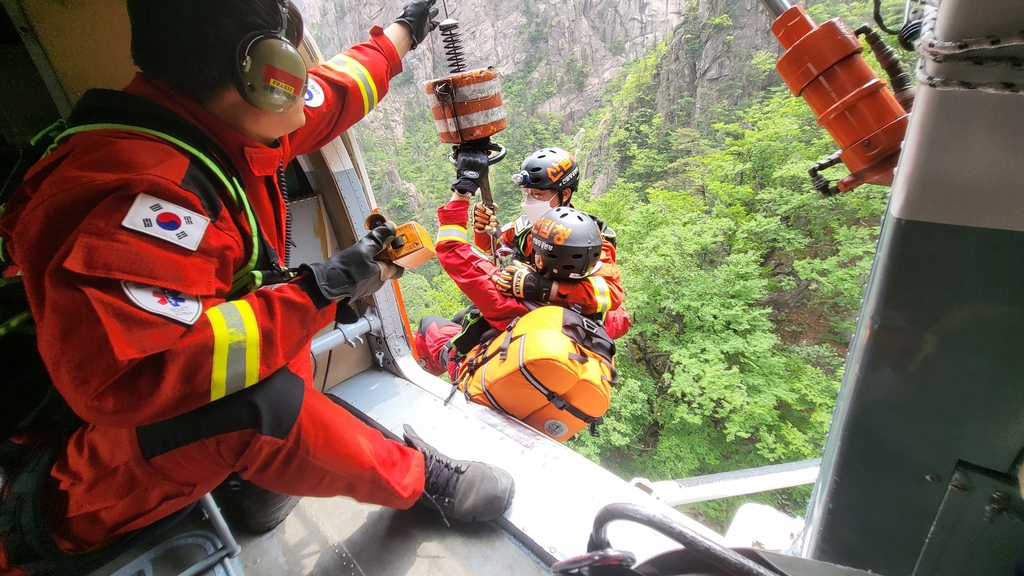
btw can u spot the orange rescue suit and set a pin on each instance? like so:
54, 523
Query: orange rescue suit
166, 420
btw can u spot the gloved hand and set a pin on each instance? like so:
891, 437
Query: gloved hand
353, 273
523, 282
484, 220
472, 169
419, 16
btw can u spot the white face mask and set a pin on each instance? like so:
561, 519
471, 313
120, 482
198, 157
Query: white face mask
534, 208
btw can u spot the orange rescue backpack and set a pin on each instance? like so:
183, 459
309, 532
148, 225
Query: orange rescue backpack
551, 368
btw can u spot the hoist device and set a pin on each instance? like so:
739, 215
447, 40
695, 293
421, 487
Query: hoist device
467, 108
823, 64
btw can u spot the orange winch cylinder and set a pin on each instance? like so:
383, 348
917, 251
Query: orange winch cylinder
466, 106
823, 64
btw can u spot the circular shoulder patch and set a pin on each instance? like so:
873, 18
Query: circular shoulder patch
555, 428
314, 93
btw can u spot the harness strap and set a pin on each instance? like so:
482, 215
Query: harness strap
578, 357
503, 349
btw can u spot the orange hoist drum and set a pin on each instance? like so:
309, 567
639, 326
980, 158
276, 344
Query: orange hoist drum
466, 106
823, 64
536, 373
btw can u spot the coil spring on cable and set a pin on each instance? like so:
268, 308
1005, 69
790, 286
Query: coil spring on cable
453, 51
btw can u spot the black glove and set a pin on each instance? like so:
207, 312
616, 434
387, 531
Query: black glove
351, 273
523, 282
472, 169
419, 16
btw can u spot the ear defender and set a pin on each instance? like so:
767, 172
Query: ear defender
270, 72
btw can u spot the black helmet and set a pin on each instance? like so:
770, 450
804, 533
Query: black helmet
568, 242
548, 169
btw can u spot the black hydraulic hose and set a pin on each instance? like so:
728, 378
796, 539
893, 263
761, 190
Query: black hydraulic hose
731, 562
899, 79
877, 15
820, 183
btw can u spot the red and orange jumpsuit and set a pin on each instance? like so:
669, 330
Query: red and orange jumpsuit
174, 403
472, 271
600, 293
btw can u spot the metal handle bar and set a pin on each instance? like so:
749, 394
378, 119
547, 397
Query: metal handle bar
731, 562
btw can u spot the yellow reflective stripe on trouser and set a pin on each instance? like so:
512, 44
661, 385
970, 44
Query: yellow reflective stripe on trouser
236, 348
601, 294
354, 69
453, 233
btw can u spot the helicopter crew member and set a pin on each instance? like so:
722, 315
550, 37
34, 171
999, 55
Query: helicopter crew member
129, 259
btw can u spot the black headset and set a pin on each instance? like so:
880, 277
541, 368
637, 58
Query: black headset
270, 73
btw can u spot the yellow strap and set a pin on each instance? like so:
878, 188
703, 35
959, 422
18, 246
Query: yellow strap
601, 294
452, 233
354, 69
236, 348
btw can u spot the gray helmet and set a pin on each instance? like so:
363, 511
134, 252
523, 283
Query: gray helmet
568, 242
548, 169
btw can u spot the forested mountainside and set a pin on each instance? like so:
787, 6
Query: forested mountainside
743, 283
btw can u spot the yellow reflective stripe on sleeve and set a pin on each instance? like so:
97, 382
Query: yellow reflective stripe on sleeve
601, 294
452, 233
354, 69
236, 348
252, 344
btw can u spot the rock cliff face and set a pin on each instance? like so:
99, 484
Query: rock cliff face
596, 36
709, 59
578, 45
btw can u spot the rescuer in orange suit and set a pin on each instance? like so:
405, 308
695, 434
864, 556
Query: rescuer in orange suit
174, 401
578, 256
499, 293
549, 177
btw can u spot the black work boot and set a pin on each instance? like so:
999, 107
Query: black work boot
460, 489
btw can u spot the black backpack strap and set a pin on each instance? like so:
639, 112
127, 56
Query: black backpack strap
588, 333
23, 525
100, 106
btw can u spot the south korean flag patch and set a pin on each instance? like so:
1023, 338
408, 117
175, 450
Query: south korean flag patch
166, 221
175, 305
